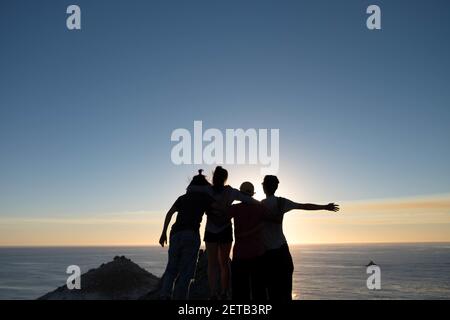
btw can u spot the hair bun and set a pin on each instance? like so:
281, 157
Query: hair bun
200, 171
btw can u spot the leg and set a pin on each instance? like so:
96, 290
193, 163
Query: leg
286, 281
257, 278
172, 268
213, 267
188, 262
280, 285
273, 274
224, 262
240, 281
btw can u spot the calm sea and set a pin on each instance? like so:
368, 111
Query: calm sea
408, 271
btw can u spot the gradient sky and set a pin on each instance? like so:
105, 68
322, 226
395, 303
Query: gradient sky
86, 116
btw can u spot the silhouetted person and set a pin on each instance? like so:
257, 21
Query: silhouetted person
184, 240
219, 230
278, 260
247, 272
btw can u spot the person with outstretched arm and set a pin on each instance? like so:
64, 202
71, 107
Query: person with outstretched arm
277, 258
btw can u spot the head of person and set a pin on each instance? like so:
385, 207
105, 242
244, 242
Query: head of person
247, 188
199, 180
270, 185
220, 177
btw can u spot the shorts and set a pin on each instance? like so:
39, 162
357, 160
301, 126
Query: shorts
224, 236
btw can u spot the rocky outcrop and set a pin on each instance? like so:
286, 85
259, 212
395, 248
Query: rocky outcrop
199, 288
371, 263
122, 279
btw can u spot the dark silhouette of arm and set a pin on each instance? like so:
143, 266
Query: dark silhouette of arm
163, 238
310, 206
237, 195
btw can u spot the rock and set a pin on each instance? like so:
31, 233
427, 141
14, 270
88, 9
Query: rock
122, 279
199, 289
371, 263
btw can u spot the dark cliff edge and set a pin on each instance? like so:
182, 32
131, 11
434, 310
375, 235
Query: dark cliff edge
122, 279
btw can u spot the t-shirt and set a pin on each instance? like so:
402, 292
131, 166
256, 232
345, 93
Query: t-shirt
190, 208
273, 235
248, 228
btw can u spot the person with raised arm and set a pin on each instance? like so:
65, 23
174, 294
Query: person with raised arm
184, 240
277, 258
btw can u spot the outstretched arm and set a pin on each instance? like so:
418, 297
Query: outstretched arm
240, 196
163, 238
310, 206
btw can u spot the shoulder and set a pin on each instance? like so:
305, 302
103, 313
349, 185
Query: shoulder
228, 188
238, 207
285, 201
282, 200
285, 205
269, 200
180, 200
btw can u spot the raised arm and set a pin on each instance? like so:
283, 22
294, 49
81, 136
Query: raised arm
163, 238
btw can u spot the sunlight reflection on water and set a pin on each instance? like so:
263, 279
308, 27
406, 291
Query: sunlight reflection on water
416, 271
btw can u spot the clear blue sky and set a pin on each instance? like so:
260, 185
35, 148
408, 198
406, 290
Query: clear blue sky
86, 116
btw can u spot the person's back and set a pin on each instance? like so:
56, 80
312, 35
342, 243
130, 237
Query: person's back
191, 207
184, 240
248, 228
272, 234
278, 259
247, 277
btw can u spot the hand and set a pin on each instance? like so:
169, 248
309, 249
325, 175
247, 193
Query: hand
332, 207
163, 239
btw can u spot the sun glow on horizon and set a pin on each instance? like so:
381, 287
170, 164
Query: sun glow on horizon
415, 219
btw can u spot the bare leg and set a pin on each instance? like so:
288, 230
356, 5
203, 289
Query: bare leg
224, 262
213, 267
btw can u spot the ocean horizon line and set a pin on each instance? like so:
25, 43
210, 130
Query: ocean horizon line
155, 245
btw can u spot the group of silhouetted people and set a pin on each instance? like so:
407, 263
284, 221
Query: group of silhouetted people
261, 267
